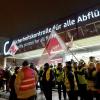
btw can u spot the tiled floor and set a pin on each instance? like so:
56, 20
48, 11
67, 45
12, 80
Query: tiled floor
40, 96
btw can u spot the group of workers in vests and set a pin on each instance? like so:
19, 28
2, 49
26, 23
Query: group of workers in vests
75, 79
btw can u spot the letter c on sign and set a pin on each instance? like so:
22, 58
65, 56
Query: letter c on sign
5, 45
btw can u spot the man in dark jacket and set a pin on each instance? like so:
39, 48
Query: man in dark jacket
71, 78
47, 81
13, 95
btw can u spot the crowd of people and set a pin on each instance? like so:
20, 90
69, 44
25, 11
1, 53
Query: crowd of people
4, 79
74, 79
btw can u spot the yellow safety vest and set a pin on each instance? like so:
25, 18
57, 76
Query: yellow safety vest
81, 78
67, 84
60, 76
48, 75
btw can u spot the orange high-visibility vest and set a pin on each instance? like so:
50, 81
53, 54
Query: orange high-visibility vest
28, 82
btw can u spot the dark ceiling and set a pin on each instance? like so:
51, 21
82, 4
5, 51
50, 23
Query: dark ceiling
20, 16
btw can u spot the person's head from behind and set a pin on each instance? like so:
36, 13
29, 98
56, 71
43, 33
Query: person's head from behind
92, 59
68, 65
25, 63
46, 66
59, 65
32, 65
81, 63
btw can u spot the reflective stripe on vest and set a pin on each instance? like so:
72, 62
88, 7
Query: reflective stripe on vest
29, 80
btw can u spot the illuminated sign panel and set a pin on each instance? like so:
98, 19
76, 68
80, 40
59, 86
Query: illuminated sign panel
34, 39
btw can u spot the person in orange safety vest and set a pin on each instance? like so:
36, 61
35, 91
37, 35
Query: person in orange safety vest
25, 83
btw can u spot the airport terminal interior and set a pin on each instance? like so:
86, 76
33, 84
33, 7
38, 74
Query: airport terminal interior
57, 59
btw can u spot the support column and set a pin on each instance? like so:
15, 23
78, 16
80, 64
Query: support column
5, 62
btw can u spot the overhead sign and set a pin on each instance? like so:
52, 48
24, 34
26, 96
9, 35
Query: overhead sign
69, 22
37, 36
